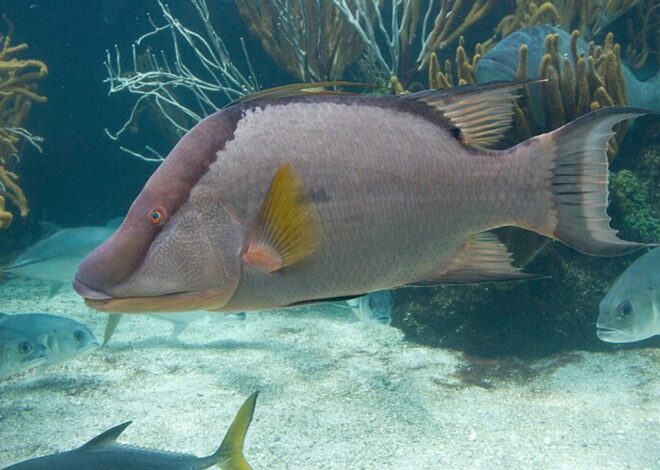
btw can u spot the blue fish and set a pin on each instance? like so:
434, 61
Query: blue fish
62, 338
18, 352
501, 63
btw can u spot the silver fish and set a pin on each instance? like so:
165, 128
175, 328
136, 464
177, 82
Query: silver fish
631, 309
179, 321
104, 453
63, 338
265, 203
18, 352
55, 258
375, 307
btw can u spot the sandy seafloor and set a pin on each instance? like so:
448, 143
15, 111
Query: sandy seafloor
335, 393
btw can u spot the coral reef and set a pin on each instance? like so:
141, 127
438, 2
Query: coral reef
635, 187
590, 17
632, 201
400, 35
179, 85
309, 39
645, 41
545, 316
18, 84
6, 217
522, 319
576, 83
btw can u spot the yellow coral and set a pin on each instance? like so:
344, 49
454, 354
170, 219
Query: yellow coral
574, 85
327, 43
588, 16
5, 216
18, 80
644, 41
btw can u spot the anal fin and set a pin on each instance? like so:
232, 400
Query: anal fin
483, 258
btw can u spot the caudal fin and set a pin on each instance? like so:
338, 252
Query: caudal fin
229, 455
579, 182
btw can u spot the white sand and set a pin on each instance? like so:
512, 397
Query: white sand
334, 394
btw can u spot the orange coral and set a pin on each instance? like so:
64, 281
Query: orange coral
18, 80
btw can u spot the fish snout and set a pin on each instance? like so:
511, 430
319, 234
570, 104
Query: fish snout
87, 292
612, 335
111, 264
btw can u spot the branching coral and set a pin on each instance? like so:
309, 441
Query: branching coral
590, 17
645, 41
184, 84
6, 217
308, 38
390, 29
576, 83
465, 68
18, 83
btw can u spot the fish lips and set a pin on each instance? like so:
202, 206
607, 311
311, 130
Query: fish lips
38, 360
613, 335
184, 301
88, 293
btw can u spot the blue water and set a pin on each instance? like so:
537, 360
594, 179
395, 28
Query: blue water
507, 375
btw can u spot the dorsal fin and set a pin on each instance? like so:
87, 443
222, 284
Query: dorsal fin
47, 229
482, 258
483, 113
115, 222
305, 89
106, 438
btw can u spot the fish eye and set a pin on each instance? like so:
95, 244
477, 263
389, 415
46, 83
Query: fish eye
25, 347
625, 309
157, 216
78, 335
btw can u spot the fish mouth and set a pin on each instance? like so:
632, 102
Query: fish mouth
184, 301
90, 347
36, 361
611, 334
88, 293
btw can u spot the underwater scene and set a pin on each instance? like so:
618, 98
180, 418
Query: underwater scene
310, 234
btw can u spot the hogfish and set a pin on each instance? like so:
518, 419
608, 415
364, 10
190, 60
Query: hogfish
265, 203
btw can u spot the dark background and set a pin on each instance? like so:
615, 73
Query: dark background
82, 178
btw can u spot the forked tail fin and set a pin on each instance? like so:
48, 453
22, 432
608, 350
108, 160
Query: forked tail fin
229, 455
578, 182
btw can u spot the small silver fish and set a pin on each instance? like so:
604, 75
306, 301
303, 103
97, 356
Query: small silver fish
631, 309
179, 321
63, 338
103, 452
55, 258
18, 352
375, 307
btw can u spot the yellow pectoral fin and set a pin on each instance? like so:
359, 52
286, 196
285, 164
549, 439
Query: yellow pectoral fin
286, 229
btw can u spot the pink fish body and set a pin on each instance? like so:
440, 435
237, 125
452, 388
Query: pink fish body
276, 202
